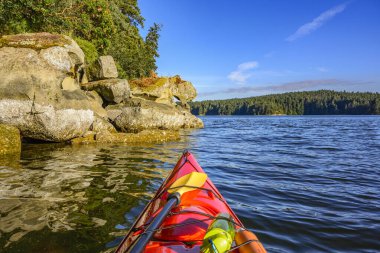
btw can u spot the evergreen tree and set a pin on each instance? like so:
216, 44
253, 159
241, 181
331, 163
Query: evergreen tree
99, 26
294, 103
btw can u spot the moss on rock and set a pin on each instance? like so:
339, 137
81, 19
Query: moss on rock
146, 136
148, 83
34, 40
89, 50
84, 140
10, 140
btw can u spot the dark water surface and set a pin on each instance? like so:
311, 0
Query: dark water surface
303, 184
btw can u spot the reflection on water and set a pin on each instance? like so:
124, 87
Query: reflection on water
303, 184
62, 198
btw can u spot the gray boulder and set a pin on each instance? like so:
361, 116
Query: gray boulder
39, 91
106, 68
111, 90
138, 114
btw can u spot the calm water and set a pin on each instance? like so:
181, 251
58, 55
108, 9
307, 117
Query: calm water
303, 184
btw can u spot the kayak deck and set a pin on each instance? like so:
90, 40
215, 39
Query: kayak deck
184, 228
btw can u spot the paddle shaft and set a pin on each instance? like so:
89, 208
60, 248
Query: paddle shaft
145, 237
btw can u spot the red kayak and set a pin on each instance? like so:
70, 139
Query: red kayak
184, 228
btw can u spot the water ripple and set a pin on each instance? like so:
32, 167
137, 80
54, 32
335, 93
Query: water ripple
303, 184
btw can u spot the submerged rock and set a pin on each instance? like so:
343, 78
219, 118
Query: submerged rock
39, 88
139, 114
88, 139
146, 136
10, 140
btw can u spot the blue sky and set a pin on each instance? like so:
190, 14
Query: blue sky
246, 48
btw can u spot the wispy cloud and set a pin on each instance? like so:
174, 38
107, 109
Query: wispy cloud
322, 69
269, 54
292, 86
317, 22
242, 73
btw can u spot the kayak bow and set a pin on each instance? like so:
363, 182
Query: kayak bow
184, 225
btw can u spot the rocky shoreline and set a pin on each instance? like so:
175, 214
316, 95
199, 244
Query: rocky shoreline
48, 93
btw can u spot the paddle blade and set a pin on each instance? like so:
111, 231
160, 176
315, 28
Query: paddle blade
188, 182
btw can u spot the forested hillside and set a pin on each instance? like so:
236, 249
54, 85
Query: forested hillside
320, 102
99, 27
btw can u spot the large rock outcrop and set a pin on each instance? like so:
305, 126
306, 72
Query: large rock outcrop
139, 114
45, 93
164, 90
40, 87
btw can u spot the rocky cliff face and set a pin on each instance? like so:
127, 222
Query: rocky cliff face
45, 93
39, 87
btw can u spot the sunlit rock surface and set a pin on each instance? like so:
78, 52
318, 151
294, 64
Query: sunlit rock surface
39, 87
106, 67
139, 114
111, 90
164, 89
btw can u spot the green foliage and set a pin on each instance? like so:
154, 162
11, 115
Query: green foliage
112, 26
151, 48
127, 49
135, 56
89, 50
320, 102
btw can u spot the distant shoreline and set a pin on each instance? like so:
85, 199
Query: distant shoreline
321, 102
285, 115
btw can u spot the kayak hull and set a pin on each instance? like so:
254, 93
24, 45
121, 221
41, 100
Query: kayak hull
185, 226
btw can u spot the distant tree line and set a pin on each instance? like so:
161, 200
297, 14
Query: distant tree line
99, 27
322, 102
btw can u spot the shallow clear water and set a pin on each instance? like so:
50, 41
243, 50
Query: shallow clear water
302, 183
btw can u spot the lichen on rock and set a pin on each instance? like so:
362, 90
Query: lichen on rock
163, 89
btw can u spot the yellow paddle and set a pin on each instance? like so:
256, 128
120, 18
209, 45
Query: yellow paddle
186, 183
